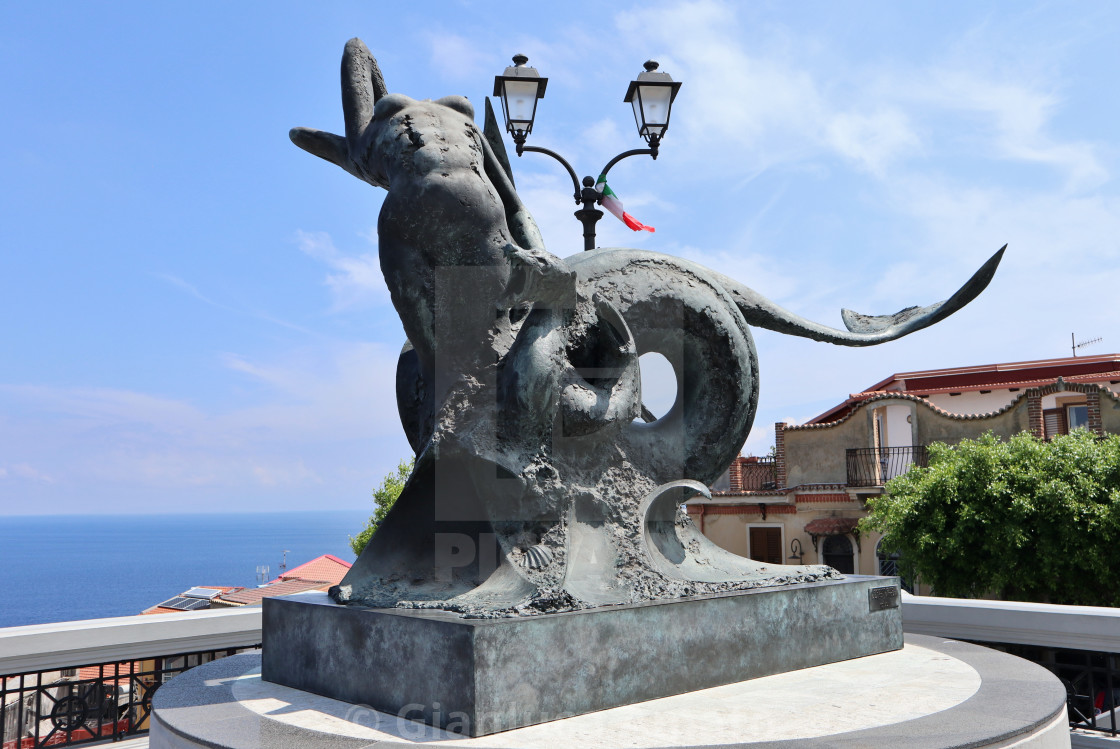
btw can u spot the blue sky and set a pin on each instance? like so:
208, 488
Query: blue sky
192, 317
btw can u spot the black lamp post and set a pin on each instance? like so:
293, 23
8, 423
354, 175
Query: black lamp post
651, 95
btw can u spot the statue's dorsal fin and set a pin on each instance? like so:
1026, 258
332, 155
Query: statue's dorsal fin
493, 133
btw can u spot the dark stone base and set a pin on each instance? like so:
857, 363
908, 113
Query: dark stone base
481, 676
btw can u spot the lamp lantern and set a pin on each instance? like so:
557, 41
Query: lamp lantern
651, 95
519, 87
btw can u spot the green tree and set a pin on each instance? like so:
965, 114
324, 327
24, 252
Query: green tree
383, 496
1021, 520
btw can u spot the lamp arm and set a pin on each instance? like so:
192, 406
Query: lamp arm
558, 157
636, 152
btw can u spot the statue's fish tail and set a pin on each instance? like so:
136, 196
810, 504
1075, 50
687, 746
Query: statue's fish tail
863, 330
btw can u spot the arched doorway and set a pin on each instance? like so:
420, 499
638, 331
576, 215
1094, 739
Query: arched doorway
837, 553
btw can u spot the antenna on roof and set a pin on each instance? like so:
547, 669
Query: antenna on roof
1075, 345
284, 562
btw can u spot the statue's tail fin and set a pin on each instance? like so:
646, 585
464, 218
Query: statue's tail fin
863, 330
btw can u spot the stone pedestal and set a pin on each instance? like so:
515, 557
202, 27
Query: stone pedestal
932, 694
483, 676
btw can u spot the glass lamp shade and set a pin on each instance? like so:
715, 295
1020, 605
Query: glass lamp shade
651, 96
519, 98
519, 88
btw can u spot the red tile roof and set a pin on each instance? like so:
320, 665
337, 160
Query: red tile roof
327, 568
1080, 369
250, 596
970, 378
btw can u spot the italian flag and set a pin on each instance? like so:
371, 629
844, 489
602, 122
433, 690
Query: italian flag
611, 202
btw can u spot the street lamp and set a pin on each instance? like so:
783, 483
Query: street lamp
651, 95
519, 88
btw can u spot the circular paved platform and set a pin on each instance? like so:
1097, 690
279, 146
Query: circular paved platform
932, 693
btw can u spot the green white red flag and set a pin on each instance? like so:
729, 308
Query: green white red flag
614, 205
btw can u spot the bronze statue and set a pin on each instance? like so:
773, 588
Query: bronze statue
537, 487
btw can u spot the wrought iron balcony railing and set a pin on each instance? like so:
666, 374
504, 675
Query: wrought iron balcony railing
80, 682
757, 474
875, 466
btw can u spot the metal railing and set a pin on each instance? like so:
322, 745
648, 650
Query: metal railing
875, 466
74, 683
758, 474
79, 682
88, 703
1078, 644
1091, 679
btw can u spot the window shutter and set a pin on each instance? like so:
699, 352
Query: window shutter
1054, 422
766, 545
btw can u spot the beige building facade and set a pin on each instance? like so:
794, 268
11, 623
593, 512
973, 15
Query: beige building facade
802, 505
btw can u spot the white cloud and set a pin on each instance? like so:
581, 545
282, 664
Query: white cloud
25, 472
1017, 117
873, 139
315, 418
356, 280
94, 405
194, 292
753, 106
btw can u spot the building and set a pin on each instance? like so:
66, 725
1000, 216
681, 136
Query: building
319, 574
802, 504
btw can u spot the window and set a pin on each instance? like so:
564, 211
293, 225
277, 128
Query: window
1077, 417
765, 544
1065, 418
837, 553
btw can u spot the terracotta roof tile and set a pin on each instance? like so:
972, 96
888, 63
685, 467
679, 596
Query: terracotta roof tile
1081, 369
250, 596
327, 568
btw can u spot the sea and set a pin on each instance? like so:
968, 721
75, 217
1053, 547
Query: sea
64, 568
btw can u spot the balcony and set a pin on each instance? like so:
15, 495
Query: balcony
755, 475
77, 683
875, 466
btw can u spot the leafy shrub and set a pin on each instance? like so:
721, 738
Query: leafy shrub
384, 496
1023, 519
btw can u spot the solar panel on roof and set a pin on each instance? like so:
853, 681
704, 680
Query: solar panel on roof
181, 603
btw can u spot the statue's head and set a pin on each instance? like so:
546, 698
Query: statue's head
392, 135
405, 136
451, 203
